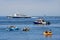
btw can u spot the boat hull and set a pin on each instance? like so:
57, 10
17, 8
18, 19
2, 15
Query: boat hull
12, 29
47, 23
37, 23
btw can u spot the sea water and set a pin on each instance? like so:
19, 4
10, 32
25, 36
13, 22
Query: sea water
35, 32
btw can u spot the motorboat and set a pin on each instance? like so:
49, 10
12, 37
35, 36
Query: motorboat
41, 21
18, 16
26, 29
12, 28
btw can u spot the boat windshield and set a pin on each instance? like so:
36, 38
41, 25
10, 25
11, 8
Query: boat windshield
40, 20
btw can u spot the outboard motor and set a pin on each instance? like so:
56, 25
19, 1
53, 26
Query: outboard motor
48, 23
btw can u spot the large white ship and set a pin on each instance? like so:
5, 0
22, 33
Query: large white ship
19, 16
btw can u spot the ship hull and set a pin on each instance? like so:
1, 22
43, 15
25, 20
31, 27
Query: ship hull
21, 17
17, 17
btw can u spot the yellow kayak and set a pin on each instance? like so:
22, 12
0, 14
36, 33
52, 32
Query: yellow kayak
47, 33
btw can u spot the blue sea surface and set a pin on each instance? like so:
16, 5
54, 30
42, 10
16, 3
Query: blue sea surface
36, 31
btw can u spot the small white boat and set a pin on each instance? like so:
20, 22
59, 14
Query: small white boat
18, 16
41, 21
12, 28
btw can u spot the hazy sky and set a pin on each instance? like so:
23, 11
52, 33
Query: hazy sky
30, 7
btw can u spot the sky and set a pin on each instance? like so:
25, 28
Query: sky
30, 7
